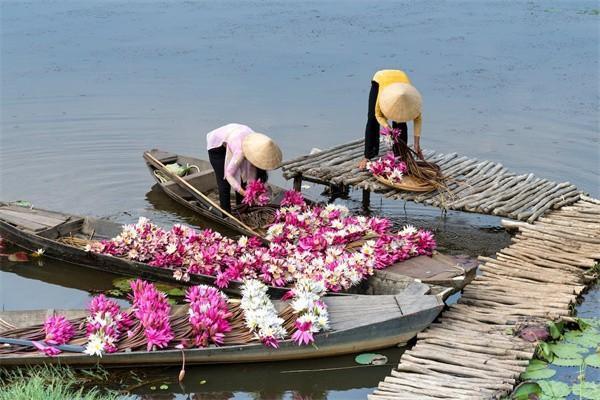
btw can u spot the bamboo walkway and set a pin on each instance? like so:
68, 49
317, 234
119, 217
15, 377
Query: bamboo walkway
475, 186
471, 351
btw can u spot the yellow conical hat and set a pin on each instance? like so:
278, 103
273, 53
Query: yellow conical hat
400, 102
262, 151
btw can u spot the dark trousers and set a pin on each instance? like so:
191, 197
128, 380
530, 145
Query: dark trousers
216, 157
372, 128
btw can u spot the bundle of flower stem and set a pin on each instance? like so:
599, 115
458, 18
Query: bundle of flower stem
426, 171
136, 341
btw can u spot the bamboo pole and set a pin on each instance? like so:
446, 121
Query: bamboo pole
182, 182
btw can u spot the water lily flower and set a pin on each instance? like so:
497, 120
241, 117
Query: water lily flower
59, 330
256, 193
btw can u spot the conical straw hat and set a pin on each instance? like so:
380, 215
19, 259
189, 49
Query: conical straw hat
262, 151
400, 102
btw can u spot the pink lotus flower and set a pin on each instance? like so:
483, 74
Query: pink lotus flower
292, 198
50, 351
256, 194
208, 315
153, 311
59, 330
303, 334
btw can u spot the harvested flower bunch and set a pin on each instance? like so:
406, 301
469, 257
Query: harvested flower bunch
324, 244
256, 194
388, 167
152, 325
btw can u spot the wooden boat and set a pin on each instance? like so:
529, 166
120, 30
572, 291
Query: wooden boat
202, 178
57, 234
358, 323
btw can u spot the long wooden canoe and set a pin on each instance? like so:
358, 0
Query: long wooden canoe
358, 323
34, 228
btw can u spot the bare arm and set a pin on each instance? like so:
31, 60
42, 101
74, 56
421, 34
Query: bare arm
417, 137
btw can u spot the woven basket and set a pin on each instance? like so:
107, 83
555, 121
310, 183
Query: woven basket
408, 184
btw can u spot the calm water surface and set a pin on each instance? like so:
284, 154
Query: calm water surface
87, 86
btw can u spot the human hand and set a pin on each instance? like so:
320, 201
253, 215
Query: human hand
419, 152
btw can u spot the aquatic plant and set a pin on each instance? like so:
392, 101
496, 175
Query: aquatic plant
576, 348
260, 314
58, 329
321, 243
292, 198
311, 310
388, 167
208, 315
105, 325
256, 193
152, 309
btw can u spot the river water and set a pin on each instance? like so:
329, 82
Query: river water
87, 86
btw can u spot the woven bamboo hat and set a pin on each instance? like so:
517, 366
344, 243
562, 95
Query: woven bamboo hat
400, 102
262, 151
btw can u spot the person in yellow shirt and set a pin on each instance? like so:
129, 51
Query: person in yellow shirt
392, 98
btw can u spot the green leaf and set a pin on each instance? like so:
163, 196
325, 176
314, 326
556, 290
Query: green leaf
371, 359
595, 322
537, 370
587, 390
544, 352
123, 284
526, 389
554, 332
567, 350
554, 390
568, 362
593, 360
202, 382
164, 387
587, 338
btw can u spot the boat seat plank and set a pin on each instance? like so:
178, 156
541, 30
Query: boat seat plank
37, 218
37, 211
438, 267
22, 222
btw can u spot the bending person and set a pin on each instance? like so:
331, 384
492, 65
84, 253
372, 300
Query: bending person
239, 155
392, 98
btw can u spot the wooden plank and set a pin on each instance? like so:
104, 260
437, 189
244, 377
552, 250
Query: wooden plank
37, 218
22, 222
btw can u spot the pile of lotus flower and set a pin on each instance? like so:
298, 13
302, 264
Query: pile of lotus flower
209, 318
388, 167
324, 244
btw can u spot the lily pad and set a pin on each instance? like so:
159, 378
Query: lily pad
123, 284
588, 338
537, 370
593, 360
567, 350
567, 362
587, 390
19, 256
554, 390
525, 390
371, 359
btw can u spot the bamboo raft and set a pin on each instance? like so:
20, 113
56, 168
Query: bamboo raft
471, 351
473, 185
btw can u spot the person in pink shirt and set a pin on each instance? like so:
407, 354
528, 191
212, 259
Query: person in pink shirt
239, 155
